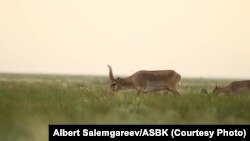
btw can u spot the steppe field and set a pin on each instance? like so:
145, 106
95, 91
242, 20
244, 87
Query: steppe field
29, 103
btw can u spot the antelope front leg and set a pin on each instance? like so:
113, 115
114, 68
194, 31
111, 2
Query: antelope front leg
139, 91
166, 91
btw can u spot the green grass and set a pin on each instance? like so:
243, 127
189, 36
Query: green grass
29, 103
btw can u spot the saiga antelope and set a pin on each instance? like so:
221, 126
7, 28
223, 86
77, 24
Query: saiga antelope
235, 86
146, 81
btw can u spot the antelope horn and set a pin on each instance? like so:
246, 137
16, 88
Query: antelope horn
111, 77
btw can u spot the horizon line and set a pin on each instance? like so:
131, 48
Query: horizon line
101, 75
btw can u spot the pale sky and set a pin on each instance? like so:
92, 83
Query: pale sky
197, 38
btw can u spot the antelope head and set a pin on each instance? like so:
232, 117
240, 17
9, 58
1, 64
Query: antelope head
115, 83
216, 90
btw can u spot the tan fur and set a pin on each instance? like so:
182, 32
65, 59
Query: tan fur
233, 87
146, 81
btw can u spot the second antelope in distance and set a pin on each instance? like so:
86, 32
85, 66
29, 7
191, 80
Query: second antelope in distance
146, 81
234, 87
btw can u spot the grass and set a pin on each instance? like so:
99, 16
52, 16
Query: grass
29, 103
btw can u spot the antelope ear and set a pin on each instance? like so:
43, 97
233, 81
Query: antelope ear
118, 78
216, 86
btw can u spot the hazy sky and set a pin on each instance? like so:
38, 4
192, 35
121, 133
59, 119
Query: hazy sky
197, 38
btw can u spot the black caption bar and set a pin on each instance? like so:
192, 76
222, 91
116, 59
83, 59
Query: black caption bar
210, 132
